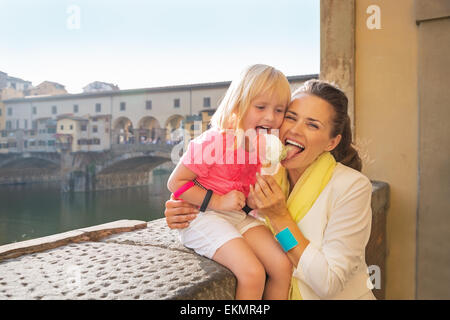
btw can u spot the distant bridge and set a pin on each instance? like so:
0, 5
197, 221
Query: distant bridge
78, 171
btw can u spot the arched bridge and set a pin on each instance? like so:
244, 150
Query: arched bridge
79, 171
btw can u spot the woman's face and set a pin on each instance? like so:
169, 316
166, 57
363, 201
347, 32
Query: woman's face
307, 128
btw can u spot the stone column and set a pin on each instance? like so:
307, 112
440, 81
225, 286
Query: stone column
337, 47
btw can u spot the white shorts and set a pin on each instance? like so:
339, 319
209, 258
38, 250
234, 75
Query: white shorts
212, 229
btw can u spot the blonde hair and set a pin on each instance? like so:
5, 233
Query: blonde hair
254, 80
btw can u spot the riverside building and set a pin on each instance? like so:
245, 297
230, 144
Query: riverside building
93, 121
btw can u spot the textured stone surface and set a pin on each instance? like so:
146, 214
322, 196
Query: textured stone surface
156, 234
95, 270
140, 264
57, 240
376, 249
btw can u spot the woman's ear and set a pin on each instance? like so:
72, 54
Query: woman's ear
334, 143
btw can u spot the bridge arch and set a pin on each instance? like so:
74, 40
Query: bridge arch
21, 164
172, 123
123, 131
40, 159
133, 162
150, 130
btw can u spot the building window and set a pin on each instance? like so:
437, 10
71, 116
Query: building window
98, 107
0, 112
9, 111
62, 127
51, 143
54, 111
34, 110
83, 127
75, 108
8, 125
71, 127
206, 102
148, 105
122, 106
176, 103
25, 124
94, 129
17, 124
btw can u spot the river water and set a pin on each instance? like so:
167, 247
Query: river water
38, 210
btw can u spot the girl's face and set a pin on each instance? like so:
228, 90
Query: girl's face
265, 112
307, 126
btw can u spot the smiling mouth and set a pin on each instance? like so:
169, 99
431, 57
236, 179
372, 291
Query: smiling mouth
293, 148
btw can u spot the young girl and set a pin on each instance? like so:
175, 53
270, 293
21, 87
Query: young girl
256, 101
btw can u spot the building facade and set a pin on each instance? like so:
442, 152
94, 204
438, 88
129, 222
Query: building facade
125, 116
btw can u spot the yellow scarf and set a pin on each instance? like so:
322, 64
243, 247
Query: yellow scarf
304, 194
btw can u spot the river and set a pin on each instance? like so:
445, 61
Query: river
37, 210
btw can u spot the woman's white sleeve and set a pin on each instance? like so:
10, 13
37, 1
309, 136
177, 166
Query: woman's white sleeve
327, 268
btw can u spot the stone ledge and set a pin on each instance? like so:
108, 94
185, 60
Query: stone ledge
96, 270
97, 263
157, 234
380, 196
94, 233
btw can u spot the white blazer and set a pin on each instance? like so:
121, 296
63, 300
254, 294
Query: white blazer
338, 226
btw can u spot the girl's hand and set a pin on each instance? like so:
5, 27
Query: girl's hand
179, 213
269, 198
251, 201
232, 201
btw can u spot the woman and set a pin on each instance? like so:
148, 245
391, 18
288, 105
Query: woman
317, 204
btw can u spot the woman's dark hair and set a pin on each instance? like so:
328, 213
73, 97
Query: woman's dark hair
344, 151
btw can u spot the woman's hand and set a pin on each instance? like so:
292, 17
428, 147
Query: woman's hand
179, 213
251, 201
268, 197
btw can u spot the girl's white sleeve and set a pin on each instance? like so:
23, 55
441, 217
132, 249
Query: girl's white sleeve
327, 268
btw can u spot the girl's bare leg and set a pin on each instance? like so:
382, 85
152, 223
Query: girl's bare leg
237, 256
275, 261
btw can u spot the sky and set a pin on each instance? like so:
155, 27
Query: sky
150, 43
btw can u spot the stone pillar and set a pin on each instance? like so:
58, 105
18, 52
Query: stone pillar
66, 168
433, 223
337, 47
